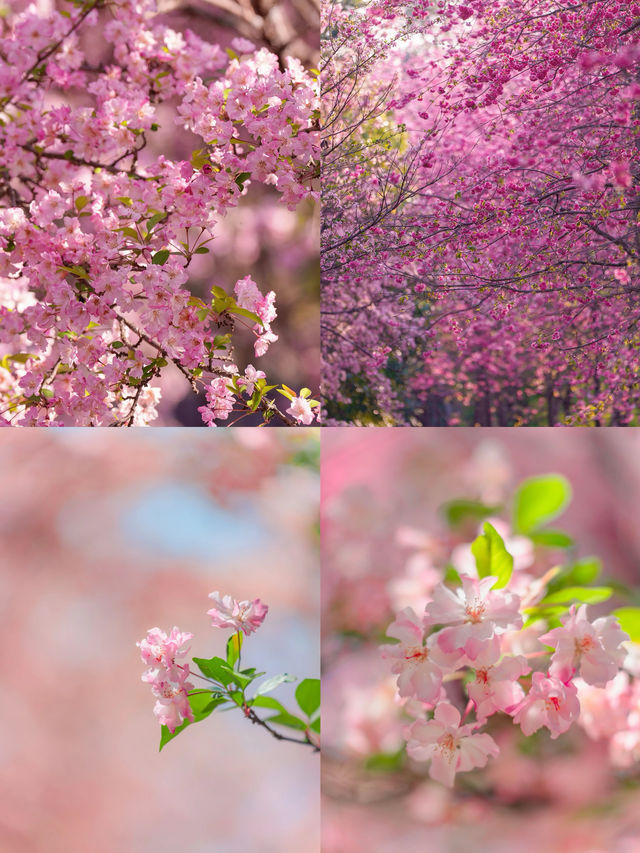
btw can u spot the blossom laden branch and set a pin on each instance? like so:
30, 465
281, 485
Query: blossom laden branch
179, 704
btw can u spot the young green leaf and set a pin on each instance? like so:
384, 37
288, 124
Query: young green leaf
268, 702
160, 257
270, 684
552, 539
584, 594
215, 668
492, 557
629, 619
289, 720
540, 500
234, 644
458, 511
308, 695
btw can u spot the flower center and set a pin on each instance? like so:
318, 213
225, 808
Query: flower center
584, 644
474, 611
482, 676
553, 703
448, 744
416, 654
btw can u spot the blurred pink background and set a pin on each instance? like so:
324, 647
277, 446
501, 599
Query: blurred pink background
382, 538
105, 535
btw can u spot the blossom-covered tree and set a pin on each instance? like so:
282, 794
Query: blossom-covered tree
497, 284
97, 232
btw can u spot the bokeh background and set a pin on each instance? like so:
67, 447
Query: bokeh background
384, 542
104, 536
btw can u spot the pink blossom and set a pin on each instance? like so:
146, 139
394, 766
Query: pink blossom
251, 376
474, 611
246, 616
594, 650
495, 684
160, 652
418, 663
550, 703
450, 746
301, 410
172, 706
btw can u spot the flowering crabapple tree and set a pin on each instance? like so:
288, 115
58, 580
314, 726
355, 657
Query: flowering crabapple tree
221, 681
497, 644
500, 288
97, 234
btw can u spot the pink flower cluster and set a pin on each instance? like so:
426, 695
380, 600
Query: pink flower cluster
474, 628
245, 616
161, 653
168, 679
98, 236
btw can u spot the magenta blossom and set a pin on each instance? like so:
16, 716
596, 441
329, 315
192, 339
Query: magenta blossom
246, 616
549, 703
592, 649
450, 746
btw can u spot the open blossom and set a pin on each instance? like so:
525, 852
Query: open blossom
549, 703
593, 649
450, 746
419, 673
495, 684
301, 410
246, 616
160, 652
172, 706
473, 611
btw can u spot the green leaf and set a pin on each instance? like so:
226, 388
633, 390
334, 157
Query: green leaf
308, 695
287, 719
234, 644
552, 539
241, 178
268, 702
580, 573
160, 257
458, 511
629, 619
235, 309
585, 594
19, 357
386, 762
202, 704
535, 613
130, 232
215, 668
202, 250
492, 558
157, 217
81, 202
270, 684
540, 500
